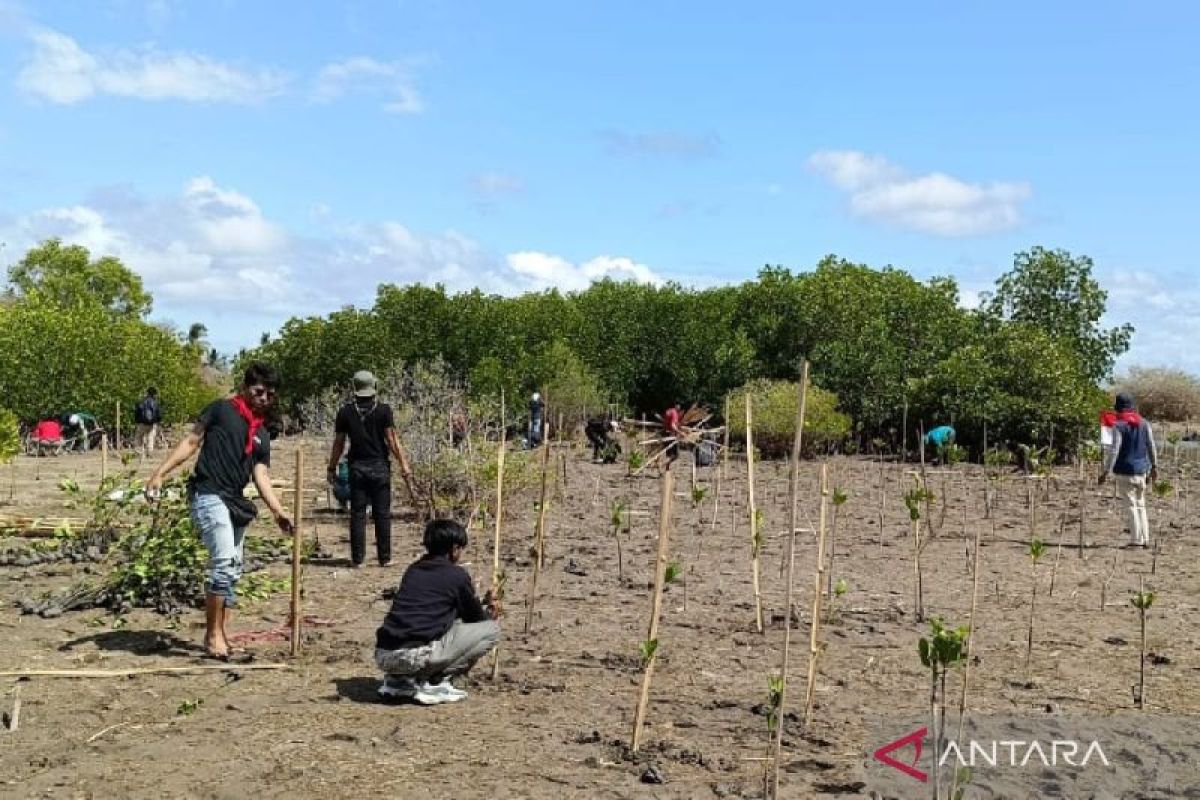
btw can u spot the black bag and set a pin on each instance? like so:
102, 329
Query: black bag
706, 453
242, 511
370, 472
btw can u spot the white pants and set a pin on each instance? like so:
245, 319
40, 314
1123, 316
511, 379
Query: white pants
1133, 490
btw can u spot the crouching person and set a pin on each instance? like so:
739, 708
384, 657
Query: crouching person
437, 628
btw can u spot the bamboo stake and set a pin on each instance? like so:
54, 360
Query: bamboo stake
117, 428
496, 577
814, 648
297, 511
660, 566
797, 446
725, 446
539, 536
755, 533
103, 460
794, 521
962, 698
125, 673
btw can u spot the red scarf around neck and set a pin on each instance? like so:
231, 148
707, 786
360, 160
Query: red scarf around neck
253, 420
1110, 418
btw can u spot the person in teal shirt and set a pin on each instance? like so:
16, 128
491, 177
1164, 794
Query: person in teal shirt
939, 439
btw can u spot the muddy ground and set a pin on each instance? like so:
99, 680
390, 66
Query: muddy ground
556, 722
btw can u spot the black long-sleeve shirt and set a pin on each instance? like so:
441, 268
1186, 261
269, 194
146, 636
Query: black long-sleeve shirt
433, 593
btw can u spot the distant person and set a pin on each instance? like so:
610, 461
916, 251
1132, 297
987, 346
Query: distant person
537, 417
672, 418
47, 436
939, 440
599, 433
436, 628
234, 449
148, 416
1134, 462
79, 430
370, 427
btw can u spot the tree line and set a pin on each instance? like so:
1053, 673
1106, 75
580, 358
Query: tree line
898, 353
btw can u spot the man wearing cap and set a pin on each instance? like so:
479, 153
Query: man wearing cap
371, 428
1133, 461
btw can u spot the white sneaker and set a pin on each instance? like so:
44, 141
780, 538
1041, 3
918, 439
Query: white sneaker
397, 688
431, 694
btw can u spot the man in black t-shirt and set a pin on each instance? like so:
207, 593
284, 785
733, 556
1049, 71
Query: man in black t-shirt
371, 428
436, 628
234, 449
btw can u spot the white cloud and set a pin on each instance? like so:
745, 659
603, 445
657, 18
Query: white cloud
211, 253
934, 203
1164, 309
391, 79
63, 72
546, 271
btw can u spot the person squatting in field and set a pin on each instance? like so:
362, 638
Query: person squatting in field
1133, 461
939, 439
599, 434
371, 428
234, 448
437, 628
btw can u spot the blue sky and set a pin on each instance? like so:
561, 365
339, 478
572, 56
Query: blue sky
257, 160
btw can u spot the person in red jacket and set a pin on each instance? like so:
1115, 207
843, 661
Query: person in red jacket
671, 421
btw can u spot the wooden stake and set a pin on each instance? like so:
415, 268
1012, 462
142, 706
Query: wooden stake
297, 511
755, 533
962, 698
539, 535
496, 577
117, 428
667, 481
814, 642
103, 459
794, 483
725, 446
794, 521
125, 673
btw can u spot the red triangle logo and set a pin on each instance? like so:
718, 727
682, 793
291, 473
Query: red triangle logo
916, 739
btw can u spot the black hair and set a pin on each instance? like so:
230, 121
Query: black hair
153, 392
261, 374
442, 536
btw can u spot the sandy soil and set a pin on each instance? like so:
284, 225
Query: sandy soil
556, 722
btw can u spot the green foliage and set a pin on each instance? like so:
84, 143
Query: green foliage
635, 460
1162, 489
839, 496
698, 494
946, 647
616, 515
841, 587
259, 586
997, 458
774, 701
1037, 549
954, 453
774, 404
67, 277
1056, 293
82, 358
758, 538
915, 497
672, 572
1142, 600
648, 649
1027, 364
189, 707
10, 436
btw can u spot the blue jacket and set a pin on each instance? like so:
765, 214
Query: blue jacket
1132, 452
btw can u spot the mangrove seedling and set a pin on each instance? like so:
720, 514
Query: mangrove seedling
648, 649
945, 648
839, 497
1142, 602
1037, 549
913, 499
617, 515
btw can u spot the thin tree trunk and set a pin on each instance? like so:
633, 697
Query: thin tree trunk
660, 565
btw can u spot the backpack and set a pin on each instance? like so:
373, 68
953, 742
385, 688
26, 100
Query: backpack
144, 413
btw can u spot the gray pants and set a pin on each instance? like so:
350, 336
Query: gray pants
453, 654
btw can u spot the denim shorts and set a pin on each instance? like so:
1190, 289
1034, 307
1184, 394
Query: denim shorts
224, 543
